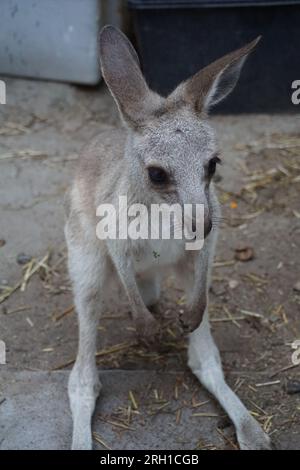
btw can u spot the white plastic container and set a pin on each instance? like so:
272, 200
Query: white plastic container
50, 39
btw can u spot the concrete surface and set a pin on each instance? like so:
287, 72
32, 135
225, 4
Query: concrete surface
42, 129
35, 413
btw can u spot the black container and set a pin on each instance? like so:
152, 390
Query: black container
177, 38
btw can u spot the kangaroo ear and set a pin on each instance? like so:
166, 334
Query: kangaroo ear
213, 83
122, 74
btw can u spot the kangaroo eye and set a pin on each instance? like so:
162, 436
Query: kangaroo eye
157, 175
211, 168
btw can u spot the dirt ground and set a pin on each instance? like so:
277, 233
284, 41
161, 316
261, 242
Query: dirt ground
254, 303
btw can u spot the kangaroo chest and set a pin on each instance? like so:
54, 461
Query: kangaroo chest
151, 254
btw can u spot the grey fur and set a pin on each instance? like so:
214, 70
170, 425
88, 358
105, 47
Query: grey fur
175, 134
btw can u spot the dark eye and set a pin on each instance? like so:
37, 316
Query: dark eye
211, 167
157, 175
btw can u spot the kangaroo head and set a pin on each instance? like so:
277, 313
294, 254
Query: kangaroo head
171, 148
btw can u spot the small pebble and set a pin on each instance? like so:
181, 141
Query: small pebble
244, 253
23, 259
293, 386
233, 283
297, 286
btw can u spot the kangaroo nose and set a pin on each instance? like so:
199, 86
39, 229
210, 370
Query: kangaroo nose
207, 227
